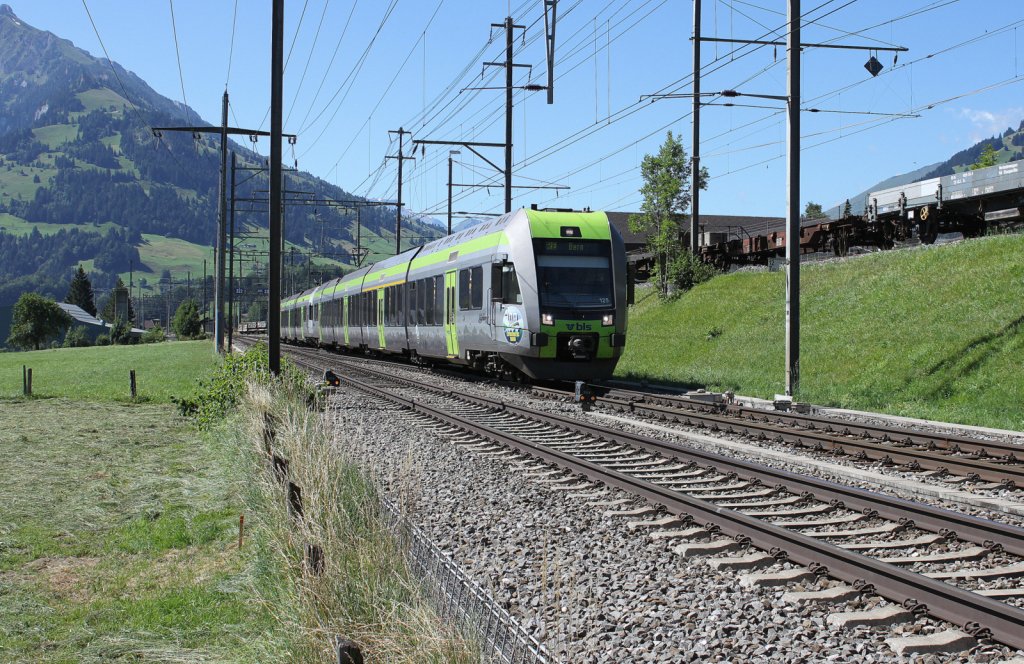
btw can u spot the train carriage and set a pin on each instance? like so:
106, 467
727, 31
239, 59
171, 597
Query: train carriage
537, 293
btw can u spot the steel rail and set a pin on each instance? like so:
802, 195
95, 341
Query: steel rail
1009, 475
933, 519
978, 615
1008, 451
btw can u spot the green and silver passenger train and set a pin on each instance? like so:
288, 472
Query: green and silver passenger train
534, 293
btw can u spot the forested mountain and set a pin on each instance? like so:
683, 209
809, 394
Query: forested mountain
83, 179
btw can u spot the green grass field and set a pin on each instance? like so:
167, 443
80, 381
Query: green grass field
100, 373
18, 226
54, 136
118, 533
933, 332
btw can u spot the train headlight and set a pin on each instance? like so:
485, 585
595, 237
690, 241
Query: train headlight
608, 319
547, 319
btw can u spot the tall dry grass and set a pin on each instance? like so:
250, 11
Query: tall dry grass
365, 592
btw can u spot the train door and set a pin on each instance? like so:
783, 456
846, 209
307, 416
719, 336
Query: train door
451, 334
344, 317
380, 316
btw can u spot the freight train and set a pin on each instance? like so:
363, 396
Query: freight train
534, 293
970, 203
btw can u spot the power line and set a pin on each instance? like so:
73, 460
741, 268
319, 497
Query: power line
353, 73
113, 69
177, 52
231, 49
305, 69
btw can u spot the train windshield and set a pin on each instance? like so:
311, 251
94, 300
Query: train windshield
574, 274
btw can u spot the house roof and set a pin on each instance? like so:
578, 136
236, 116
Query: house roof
80, 315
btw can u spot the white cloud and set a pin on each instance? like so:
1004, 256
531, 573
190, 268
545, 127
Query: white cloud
988, 123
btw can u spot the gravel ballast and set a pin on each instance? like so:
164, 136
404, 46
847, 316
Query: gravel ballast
583, 583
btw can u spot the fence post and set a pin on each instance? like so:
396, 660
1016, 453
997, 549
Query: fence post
295, 500
29, 393
131, 376
241, 529
314, 559
347, 651
24, 380
269, 433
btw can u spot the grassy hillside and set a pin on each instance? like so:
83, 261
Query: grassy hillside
933, 332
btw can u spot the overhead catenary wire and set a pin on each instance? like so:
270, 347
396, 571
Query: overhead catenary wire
231, 48
177, 52
309, 59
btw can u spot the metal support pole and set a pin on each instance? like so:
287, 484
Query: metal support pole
695, 157
508, 114
793, 203
222, 221
276, 102
449, 193
231, 259
398, 212
401, 159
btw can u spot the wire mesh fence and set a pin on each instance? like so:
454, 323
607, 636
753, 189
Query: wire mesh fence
461, 601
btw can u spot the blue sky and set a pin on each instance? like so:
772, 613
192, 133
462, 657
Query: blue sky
966, 61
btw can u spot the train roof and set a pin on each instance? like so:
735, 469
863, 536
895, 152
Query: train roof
392, 270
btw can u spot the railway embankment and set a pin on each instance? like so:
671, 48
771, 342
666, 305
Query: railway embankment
935, 332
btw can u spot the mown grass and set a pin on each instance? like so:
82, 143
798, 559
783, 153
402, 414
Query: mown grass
933, 332
118, 538
101, 373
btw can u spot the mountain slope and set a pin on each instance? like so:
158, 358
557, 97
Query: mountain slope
78, 161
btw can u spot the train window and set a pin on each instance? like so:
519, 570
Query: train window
464, 289
574, 273
439, 299
421, 302
471, 288
400, 289
510, 285
387, 305
428, 296
410, 303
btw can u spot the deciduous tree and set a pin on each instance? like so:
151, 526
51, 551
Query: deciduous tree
666, 193
813, 210
36, 321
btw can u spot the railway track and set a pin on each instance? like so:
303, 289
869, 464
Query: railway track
992, 464
926, 560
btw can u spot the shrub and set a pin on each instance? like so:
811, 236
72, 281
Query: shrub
688, 270
76, 338
103, 340
186, 323
222, 391
154, 335
120, 332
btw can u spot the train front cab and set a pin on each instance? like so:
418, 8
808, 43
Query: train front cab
570, 273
